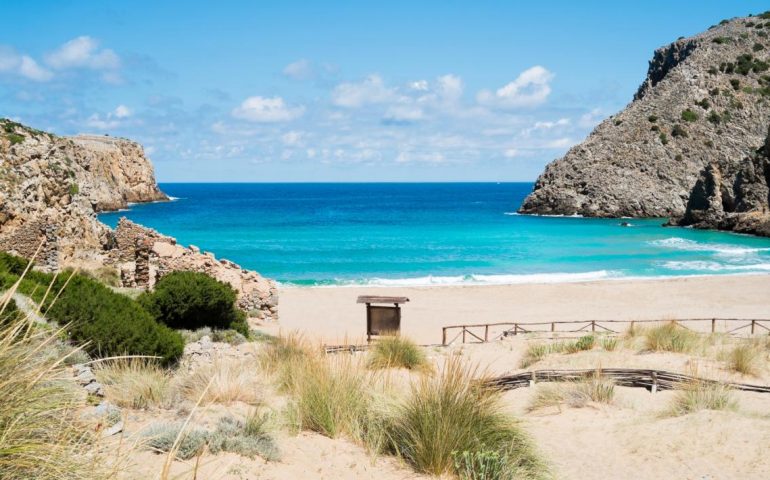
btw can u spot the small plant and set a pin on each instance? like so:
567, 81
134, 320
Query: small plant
586, 342
534, 353
714, 118
689, 116
652, 118
678, 157
224, 381
654, 128
670, 338
714, 92
735, 83
709, 143
592, 389
609, 344
704, 103
134, 383
678, 131
162, 437
481, 465
394, 351
663, 139
247, 438
757, 47
744, 359
713, 71
15, 138
74, 189
699, 395
720, 40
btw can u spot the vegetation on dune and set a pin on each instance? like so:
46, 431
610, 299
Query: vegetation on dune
537, 351
395, 351
745, 358
576, 394
41, 435
192, 300
135, 382
450, 417
698, 395
222, 381
670, 337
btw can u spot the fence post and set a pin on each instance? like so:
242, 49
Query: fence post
753, 322
515, 328
593, 325
486, 333
553, 326
464, 330
713, 325
654, 387
443, 336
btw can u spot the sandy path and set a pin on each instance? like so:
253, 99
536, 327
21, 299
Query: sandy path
332, 313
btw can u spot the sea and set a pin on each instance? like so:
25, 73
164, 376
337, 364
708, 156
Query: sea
422, 234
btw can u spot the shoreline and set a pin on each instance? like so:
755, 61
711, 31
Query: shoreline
331, 314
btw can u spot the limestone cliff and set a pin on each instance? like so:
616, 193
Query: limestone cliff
706, 100
51, 188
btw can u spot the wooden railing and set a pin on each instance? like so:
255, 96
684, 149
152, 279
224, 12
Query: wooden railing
480, 332
652, 380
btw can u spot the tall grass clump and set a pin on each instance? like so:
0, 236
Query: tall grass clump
700, 395
395, 351
670, 338
41, 436
135, 382
331, 395
745, 358
575, 394
283, 356
450, 419
534, 353
224, 381
609, 344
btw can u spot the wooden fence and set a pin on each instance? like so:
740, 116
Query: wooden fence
652, 380
485, 332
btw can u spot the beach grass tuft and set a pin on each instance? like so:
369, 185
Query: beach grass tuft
135, 382
225, 380
745, 358
449, 419
576, 394
670, 337
700, 395
395, 351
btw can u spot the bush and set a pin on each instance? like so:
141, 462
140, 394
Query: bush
689, 116
704, 103
699, 395
134, 383
397, 352
247, 438
192, 300
161, 438
745, 359
735, 83
714, 118
109, 323
720, 40
757, 47
652, 118
678, 131
663, 138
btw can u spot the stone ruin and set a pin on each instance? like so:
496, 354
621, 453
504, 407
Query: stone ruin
143, 255
26, 240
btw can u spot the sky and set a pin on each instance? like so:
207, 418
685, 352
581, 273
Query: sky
258, 91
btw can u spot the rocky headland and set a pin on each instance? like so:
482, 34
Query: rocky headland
51, 189
689, 146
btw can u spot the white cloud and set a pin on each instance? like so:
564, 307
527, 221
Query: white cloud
29, 68
299, 70
511, 153
369, 91
292, 138
102, 123
22, 65
83, 52
267, 110
403, 114
419, 85
530, 89
122, 111
420, 157
450, 87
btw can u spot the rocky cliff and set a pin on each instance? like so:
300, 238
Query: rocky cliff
705, 101
51, 189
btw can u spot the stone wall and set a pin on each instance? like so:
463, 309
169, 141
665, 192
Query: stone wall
26, 239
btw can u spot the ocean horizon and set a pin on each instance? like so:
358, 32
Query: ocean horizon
421, 234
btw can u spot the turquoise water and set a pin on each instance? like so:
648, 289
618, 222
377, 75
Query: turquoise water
425, 234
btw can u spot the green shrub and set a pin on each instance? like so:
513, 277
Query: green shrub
757, 47
713, 70
720, 40
663, 138
689, 116
670, 338
699, 395
714, 118
192, 300
745, 359
15, 138
74, 189
247, 438
703, 103
161, 438
652, 118
678, 131
482, 465
714, 92
110, 323
735, 83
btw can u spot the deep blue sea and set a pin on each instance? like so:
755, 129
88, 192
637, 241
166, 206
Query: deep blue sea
428, 233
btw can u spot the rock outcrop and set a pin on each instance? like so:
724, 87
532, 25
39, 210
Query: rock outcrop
732, 195
705, 101
51, 189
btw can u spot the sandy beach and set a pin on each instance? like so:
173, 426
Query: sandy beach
332, 315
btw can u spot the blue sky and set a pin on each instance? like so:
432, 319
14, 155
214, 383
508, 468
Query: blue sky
342, 91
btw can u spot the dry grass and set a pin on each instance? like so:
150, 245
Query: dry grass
41, 436
745, 358
135, 382
695, 396
225, 380
537, 351
450, 414
396, 351
609, 344
574, 394
282, 356
670, 337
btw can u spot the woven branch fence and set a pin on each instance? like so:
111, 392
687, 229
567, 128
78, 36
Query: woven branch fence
652, 380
